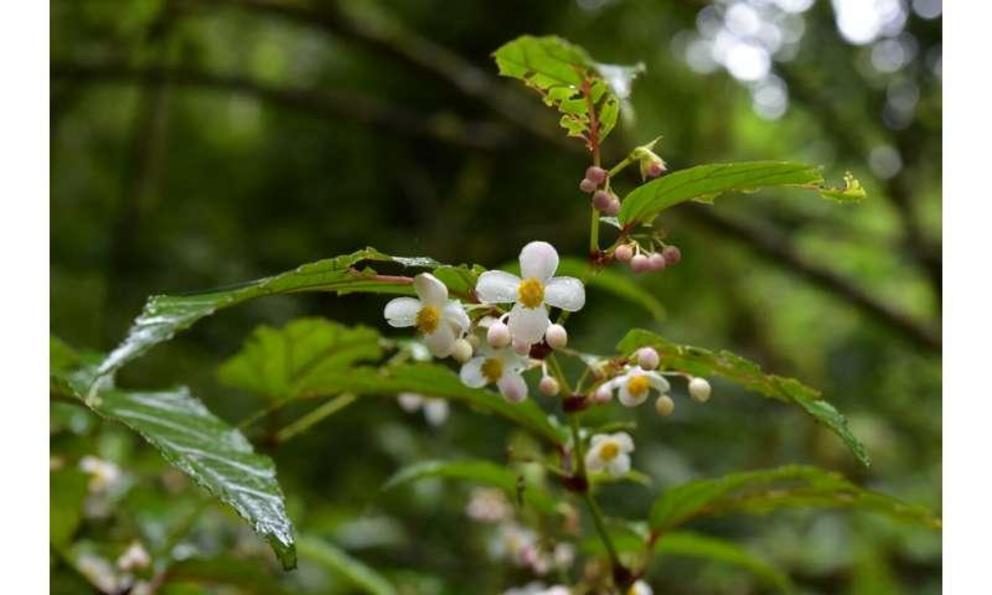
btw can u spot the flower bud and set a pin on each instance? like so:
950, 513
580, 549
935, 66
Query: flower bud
624, 253
603, 394
672, 254
664, 405
474, 341
514, 393
556, 336
639, 263
587, 185
651, 165
657, 262
699, 389
548, 386
656, 168
596, 174
601, 200
521, 347
648, 358
498, 335
461, 351
613, 209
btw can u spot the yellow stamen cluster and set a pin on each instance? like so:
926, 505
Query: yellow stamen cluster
492, 369
609, 451
638, 385
531, 293
428, 319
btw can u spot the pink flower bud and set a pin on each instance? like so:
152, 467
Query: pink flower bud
556, 336
639, 263
623, 253
613, 209
548, 386
657, 262
596, 174
655, 169
587, 185
498, 335
513, 392
648, 358
601, 200
672, 254
603, 394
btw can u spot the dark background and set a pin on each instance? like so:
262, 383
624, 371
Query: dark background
197, 143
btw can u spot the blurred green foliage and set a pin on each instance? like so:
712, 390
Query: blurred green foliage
198, 143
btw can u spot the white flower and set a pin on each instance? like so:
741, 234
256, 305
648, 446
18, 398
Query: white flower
488, 505
497, 366
435, 410
533, 294
439, 319
640, 588
609, 452
636, 384
104, 475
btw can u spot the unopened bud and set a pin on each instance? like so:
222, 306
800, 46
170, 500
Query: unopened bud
664, 405
672, 254
514, 392
613, 209
556, 336
657, 262
498, 335
596, 174
699, 389
639, 263
587, 185
623, 253
603, 394
548, 386
648, 358
601, 200
461, 351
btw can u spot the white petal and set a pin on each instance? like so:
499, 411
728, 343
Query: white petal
497, 287
441, 341
597, 439
471, 373
402, 312
624, 440
658, 382
455, 314
430, 289
528, 324
538, 259
566, 293
619, 465
436, 411
593, 462
628, 400
512, 386
410, 402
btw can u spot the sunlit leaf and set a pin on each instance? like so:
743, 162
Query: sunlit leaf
362, 576
165, 315
570, 80
706, 182
703, 362
212, 453
277, 362
478, 472
757, 492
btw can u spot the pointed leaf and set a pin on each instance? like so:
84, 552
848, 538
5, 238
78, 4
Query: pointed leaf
706, 182
757, 492
702, 362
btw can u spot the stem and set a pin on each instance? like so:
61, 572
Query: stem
600, 523
594, 232
620, 166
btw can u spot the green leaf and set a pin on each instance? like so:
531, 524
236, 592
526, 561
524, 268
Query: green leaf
615, 283
338, 561
277, 362
480, 472
706, 182
68, 491
757, 492
569, 79
432, 380
165, 315
696, 545
212, 453
702, 362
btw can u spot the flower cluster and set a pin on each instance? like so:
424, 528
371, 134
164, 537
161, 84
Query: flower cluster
644, 261
447, 329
